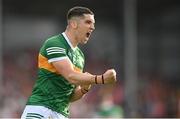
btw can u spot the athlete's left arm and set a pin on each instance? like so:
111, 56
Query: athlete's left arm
79, 92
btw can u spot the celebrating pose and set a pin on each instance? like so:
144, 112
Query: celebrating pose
60, 76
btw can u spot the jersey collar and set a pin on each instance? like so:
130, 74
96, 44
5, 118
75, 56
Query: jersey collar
68, 41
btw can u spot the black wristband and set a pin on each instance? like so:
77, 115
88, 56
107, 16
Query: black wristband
102, 79
96, 79
84, 91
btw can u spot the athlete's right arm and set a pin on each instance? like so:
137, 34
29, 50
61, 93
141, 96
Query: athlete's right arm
65, 68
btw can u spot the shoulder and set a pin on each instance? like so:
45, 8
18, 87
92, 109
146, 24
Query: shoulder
56, 40
53, 44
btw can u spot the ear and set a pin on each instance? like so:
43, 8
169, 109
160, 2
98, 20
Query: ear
73, 24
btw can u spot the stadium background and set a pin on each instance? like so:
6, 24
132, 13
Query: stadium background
139, 38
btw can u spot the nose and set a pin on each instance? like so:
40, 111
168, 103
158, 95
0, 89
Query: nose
92, 27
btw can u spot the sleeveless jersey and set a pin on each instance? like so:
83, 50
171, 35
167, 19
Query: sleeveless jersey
51, 89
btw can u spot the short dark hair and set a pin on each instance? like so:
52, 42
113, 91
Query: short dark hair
78, 12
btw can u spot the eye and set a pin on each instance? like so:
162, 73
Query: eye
88, 22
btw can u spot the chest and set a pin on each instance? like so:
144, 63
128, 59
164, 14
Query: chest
76, 58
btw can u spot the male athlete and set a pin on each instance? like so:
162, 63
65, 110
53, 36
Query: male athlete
60, 78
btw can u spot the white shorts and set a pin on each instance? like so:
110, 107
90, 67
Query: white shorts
40, 112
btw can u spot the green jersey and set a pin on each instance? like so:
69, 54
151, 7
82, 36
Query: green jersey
51, 89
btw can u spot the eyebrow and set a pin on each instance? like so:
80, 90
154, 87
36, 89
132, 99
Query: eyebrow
89, 21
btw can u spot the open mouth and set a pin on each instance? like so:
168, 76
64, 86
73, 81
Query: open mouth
88, 34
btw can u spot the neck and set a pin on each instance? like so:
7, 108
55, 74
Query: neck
71, 38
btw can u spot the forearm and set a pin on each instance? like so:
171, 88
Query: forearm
65, 68
81, 78
86, 78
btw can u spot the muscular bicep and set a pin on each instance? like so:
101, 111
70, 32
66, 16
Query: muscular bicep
64, 67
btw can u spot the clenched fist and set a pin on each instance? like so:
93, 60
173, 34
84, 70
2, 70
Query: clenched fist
110, 76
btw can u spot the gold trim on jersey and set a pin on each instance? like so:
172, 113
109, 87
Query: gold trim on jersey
43, 63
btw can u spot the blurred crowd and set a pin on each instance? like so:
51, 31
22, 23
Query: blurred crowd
157, 97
